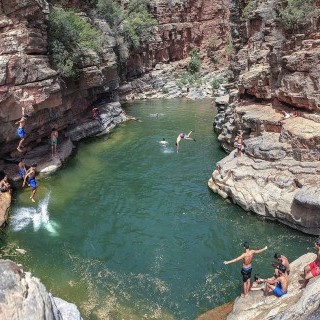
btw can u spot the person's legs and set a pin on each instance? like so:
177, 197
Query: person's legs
33, 192
20, 145
246, 286
178, 142
267, 288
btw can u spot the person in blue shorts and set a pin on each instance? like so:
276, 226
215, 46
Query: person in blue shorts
31, 176
22, 171
279, 285
183, 136
21, 132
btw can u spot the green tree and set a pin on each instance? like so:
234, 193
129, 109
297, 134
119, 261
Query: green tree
195, 61
297, 11
130, 23
69, 36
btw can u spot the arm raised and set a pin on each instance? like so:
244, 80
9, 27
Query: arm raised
234, 260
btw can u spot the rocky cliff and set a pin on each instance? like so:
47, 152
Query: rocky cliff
24, 297
274, 70
182, 26
27, 81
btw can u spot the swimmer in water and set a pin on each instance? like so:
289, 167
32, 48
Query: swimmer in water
183, 136
164, 142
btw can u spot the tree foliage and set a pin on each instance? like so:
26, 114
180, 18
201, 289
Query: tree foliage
130, 23
69, 35
297, 11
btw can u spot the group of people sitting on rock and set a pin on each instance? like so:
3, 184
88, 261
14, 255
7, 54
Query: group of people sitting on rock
278, 283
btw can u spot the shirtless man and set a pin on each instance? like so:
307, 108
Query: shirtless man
282, 260
31, 176
313, 268
239, 143
22, 168
183, 136
246, 270
54, 142
21, 133
279, 285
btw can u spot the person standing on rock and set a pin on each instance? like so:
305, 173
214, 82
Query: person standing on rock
31, 176
313, 268
54, 142
183, 136
21, 132
239, 143
246, 269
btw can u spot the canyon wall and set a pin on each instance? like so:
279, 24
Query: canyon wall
28, 82
182, 26
274, 70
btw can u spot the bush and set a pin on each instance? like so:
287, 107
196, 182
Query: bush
69, 35
250, 6
216, 82
296, 12
195, 62
130, 24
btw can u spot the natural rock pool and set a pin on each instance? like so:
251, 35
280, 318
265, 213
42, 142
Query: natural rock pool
128, 228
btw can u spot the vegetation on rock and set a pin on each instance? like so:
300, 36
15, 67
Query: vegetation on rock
297, 11
131, 23
69, 36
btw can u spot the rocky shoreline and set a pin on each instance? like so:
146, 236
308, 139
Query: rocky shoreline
296, 304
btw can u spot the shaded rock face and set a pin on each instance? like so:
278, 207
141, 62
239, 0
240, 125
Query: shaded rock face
24, 297
184, 25
296, 304
27, 80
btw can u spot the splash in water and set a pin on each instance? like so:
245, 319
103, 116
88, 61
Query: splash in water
38, 217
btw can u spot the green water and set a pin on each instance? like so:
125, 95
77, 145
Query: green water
128, 229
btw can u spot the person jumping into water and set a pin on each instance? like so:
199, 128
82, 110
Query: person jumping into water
246, 269
31, 176
21, 133
183, 136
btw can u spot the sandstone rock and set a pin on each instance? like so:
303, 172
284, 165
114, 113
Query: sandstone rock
5, 200
296, 304
24, 297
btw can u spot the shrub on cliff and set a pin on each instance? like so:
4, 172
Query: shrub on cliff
297, 11
68, 36
251, 5
130, 23
195, 61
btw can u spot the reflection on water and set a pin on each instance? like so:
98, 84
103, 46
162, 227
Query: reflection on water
137, 232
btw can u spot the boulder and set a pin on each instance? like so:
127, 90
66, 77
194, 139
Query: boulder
24, 297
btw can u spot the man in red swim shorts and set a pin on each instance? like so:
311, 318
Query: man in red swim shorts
313, 268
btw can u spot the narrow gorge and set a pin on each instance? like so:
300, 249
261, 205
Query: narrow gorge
261, 68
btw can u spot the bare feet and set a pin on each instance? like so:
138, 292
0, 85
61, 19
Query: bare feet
19, 149
33, 200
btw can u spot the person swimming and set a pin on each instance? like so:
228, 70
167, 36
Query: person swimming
183, 136
164, 142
